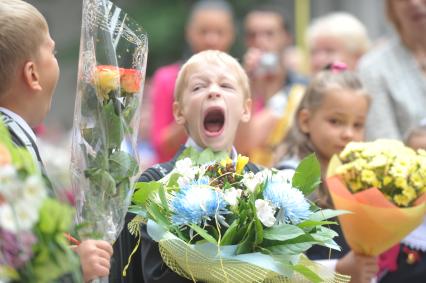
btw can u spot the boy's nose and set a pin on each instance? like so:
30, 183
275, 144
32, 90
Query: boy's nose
214, 94
214, 91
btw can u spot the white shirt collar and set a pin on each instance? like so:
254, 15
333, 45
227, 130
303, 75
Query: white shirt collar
191, 143
21, 122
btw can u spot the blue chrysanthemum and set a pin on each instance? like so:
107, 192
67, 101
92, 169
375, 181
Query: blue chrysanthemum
291, 203
196, 203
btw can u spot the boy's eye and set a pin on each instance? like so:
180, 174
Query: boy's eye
196, 87
227, 85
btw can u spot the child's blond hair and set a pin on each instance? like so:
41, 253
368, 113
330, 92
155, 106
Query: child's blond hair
211, 57
22, 29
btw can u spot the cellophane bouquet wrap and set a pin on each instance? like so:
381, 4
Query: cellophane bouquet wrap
33, 247
215, 222
383, 183
112, 63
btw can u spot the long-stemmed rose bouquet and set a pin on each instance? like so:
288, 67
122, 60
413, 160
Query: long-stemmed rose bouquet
384, 184
214, 222
113, 53
33, 247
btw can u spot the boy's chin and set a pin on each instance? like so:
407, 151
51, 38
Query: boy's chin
217, 144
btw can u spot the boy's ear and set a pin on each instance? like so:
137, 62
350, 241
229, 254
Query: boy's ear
303, 120
246, 110
31, 76
177, 113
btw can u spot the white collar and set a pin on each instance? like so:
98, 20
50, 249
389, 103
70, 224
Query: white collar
416, 239
191, 143
21, 122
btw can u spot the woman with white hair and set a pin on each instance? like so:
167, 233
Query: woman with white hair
337, 36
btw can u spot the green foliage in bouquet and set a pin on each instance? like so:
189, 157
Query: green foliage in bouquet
33, 247
211, 199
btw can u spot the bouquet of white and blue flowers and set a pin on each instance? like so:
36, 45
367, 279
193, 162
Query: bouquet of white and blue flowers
215, 222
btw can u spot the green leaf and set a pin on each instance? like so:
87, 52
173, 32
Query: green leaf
129, 111
228, 237
259, 232
54, 216
122, 165
189, 152
136, 209
247, 244
282, 232
143, 191
309, 274
113, 126
324, 214
157, 214
206, 156
308, 175
312, 223
203, 233
102, 180
291, 249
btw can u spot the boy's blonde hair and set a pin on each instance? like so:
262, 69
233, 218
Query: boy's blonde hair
22, 29
211, 57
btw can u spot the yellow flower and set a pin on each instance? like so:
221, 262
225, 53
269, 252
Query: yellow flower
241, 163
401, 200
226, 161
401, 183
355, 186
368, 176
417, 180
387, 180
378, 161
106, 78
410, 193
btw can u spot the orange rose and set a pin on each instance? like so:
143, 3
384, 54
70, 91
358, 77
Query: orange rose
5, 157
107, 78
130, 80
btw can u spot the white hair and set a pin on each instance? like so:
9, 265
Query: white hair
343, 26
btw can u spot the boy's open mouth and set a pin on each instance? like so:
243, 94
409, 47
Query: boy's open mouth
214, 120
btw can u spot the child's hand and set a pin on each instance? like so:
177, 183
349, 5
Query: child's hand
95, 258
361, 268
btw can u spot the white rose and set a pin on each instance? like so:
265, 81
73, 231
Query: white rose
265, 212
232, 195
250, 181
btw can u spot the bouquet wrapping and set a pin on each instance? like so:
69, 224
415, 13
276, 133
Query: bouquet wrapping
215, 222
383, 183
33, 247
104, 163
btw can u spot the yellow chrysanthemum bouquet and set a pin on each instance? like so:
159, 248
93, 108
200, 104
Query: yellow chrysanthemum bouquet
383, 183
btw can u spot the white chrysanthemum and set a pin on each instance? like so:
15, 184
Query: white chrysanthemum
250, 181
232, 195
34, 190
265, 212
184, 167
21, 217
